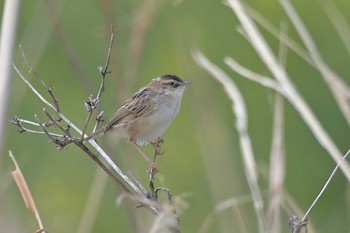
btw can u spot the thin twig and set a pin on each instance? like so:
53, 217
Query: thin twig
86, 124
55, 122
324, 188
19, 122
31, 70
42, 126
32, 88
93, 103
105, 71
90, 105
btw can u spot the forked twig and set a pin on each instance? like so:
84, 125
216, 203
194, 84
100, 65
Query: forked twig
16, 120
31, 70
92, 103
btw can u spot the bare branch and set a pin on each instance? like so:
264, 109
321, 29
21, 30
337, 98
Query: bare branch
48, 88
20, 123
92, 103
324, 188
105, 71
32, 88
98, 120
57, 124
59, 143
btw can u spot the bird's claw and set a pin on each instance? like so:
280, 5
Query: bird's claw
157, 145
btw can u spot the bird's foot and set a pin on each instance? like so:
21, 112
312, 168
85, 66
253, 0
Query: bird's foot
157, 145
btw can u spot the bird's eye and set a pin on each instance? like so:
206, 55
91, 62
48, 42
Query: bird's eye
172, 83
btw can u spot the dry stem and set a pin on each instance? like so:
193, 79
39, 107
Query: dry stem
25, 192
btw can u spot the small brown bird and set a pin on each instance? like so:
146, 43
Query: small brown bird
146, 115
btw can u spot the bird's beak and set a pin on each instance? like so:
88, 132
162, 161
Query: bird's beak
185, 83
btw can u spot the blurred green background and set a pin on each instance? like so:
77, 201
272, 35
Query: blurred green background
65, 41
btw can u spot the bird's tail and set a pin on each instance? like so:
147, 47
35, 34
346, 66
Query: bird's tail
96, 134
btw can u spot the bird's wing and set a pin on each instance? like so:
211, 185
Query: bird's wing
141, 103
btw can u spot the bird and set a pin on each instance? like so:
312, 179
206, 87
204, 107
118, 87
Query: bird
147, 114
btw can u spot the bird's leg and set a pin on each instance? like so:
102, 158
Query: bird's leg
152, 166
157, 145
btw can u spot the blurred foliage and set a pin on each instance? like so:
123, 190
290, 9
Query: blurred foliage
66, 41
